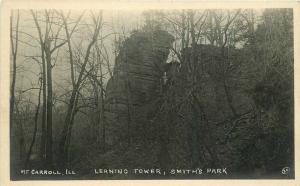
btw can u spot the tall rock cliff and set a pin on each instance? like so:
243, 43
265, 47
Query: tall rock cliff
136, 81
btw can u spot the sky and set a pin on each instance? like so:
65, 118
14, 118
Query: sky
120, 22
28, 69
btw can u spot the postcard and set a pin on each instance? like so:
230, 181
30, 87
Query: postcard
164, 92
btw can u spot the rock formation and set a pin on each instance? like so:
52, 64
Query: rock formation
137, 78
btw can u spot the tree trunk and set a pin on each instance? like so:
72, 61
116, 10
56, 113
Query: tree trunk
15, 127
102, 110
49, 110
102, 120
44, 111
35, 128
69, 120
44, 81
14, 48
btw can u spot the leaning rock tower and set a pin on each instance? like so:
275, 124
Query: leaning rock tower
136, 80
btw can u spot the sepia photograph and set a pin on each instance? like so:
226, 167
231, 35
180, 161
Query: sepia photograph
151, 94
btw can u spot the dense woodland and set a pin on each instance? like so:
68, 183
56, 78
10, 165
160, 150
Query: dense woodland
178, 89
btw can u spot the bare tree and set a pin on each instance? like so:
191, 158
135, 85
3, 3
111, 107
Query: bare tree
49, 43
69, 120
226, 62
14, 50
35, 125
16, 125
100, 83
44, 110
